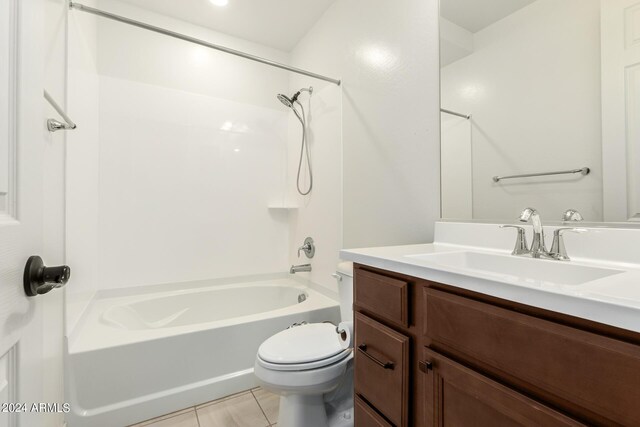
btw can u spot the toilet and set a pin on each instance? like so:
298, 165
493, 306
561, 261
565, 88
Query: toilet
310, 371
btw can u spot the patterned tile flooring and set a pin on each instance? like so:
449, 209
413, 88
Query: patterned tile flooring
252, 408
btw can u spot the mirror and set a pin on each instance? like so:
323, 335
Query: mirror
548, 89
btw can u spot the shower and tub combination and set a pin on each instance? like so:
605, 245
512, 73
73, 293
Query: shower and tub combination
143, 348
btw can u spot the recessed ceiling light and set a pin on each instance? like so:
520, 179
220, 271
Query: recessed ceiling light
219, 2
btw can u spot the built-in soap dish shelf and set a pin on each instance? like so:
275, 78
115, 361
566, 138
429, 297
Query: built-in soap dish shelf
280, 206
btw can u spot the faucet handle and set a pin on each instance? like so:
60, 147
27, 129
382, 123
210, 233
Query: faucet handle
571, 215
521, 247
558, 250
308, 248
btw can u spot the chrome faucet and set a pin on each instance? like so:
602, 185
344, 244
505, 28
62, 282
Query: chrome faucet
299, 268
538, 249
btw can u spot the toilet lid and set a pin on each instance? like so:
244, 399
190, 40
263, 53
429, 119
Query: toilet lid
301, 344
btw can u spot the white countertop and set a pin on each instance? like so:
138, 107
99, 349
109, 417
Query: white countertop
613, 300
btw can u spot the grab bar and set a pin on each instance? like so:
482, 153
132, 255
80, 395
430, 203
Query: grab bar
583, 171
54, 125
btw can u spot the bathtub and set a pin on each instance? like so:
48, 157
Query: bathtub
138, 355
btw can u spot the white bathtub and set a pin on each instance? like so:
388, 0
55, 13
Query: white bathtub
138, 356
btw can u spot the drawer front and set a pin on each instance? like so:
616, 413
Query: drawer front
459, 396
365, 416
384, 296
585, 373
382, 368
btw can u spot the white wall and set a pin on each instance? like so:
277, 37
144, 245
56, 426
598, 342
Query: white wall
131, 53
551, 122
455, 42
185, 181
391, 120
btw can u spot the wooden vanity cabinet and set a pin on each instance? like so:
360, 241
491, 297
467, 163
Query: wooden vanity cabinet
462, 358
387, 323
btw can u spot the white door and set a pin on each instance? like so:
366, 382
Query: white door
621, 109
22, 150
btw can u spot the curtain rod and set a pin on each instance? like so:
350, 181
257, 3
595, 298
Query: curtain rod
98, 12
453, 113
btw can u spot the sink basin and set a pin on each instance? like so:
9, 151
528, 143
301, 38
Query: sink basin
535, 271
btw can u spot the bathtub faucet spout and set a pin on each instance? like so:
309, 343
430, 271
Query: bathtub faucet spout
299, 268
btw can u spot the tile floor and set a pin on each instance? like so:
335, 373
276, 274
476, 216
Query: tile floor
252, 408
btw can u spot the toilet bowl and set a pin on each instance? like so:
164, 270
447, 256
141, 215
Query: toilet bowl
310, 371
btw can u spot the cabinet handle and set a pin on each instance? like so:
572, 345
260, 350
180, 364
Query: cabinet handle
386, 365
425, 366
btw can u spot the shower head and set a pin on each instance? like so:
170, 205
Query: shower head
285, 100
289, 101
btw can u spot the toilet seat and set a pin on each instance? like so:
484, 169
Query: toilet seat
304, 366
300, 348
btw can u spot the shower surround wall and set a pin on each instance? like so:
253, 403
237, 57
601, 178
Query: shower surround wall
179, 152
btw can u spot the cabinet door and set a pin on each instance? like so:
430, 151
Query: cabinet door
583, 373
458, 396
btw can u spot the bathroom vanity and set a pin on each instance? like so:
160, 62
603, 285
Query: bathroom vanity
440, 343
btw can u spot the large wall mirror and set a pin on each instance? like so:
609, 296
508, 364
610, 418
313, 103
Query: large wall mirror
541, 108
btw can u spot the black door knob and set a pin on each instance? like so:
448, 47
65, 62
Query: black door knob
39, 279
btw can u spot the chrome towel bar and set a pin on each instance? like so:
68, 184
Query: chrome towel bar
583, 171
54, 125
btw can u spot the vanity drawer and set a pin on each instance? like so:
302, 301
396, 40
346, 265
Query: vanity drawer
383, 296
382, 368
365, 416
579, 371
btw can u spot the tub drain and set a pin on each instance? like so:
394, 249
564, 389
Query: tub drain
302, 298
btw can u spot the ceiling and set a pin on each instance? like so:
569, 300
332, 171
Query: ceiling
474, 15
276, 23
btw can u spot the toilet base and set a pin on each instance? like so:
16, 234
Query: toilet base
341, 419
302, 410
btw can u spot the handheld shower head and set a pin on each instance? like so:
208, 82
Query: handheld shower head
290, 101
299, 112
285, 100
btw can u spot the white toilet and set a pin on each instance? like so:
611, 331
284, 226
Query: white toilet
309, 369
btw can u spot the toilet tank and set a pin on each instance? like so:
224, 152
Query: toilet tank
344, 275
